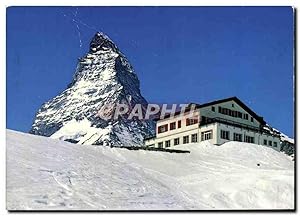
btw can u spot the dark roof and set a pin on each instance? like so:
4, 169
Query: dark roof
238, 101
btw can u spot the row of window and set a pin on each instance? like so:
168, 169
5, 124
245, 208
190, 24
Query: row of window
189, 121
236, 137
270, 143
207, 135
248, 139
164, 128
176, 141
232, 113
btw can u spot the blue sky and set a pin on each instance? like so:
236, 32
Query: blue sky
181, 54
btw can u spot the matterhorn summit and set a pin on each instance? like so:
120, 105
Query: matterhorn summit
83, 112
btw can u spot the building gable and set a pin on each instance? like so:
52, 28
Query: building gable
216, 102
239, 103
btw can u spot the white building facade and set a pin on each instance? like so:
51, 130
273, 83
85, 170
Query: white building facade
217, 122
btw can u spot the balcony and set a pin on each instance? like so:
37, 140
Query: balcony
206, 121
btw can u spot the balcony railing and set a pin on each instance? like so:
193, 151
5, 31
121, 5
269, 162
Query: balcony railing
206, 121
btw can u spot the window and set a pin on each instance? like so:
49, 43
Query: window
194, 138
160, 145
249, 139
237, 137
191, 121
168, 143
265, 142
232, 105
179, 124
185, 139
240, 115
163, 128
206, 135
251, 119
274, 144
225, 134
270, 143
172, 125
213, 108
232, 113
225, 111
176, 141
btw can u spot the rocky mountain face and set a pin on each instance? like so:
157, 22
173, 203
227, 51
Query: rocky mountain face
103, 78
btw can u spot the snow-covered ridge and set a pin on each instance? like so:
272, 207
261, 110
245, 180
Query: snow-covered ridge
49, 174
103, 76
274, 131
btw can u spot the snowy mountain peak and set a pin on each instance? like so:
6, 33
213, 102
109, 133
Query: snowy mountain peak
101, 41
103, 77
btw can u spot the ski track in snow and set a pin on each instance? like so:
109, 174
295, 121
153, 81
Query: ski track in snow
48, 174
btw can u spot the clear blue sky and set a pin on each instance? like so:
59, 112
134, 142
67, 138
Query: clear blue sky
181, 54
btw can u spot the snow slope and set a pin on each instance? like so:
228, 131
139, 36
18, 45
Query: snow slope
44, 173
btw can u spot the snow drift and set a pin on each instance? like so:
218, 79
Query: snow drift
48, 174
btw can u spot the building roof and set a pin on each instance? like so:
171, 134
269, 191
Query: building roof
235, 99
